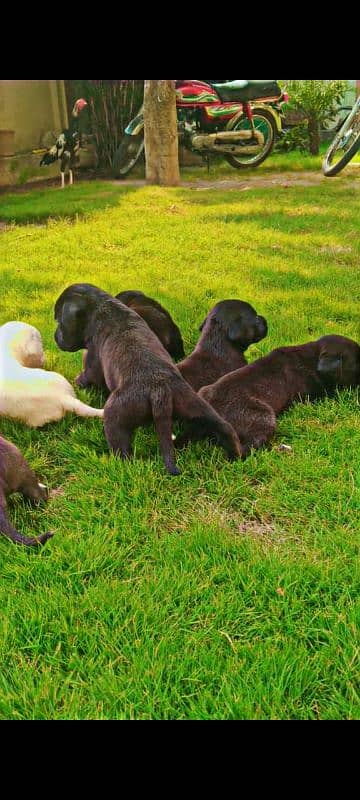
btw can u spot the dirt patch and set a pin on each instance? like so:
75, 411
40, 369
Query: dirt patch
272, 179
256, 528
285, 180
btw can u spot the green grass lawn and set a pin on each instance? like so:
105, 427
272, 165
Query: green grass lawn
233, 590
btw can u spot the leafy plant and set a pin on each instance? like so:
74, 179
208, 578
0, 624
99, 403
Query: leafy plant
317, 101
111, 106
295, 138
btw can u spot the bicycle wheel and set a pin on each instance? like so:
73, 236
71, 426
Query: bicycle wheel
331, 126
263, 123
345, 145
127, 155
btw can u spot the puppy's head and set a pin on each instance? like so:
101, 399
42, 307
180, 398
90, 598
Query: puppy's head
23, 342
39, 493
129, 297
240, 323
157, 318
339, 361
72, 312
43, 492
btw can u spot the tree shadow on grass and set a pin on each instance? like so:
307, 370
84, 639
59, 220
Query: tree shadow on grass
38, 206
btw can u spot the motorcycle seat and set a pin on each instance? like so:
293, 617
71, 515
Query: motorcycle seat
243, 91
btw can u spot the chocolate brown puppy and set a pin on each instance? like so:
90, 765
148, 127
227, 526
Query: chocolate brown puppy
144, 383
16, 476
157, 318
228, 330
251, 398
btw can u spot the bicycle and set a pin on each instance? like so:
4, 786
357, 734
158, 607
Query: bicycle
345, 145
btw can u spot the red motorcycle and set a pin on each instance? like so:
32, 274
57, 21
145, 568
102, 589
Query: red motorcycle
236, 119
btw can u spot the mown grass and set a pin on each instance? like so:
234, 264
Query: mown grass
233, 590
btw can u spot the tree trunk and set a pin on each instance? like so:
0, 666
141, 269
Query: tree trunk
314, 136
161, 139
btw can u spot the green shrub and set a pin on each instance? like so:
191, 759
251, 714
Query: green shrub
317, 101
111, 106
295, 138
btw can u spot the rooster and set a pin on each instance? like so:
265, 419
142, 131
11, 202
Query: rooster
67, 145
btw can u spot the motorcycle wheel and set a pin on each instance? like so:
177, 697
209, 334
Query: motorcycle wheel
264, 123
344, 147
127, 155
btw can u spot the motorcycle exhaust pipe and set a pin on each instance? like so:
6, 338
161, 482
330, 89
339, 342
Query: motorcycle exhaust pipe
226, 141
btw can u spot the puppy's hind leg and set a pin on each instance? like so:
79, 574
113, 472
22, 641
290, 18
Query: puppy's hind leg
162, 409
124, 412
118, 428
256, 425
72, 404
119, 440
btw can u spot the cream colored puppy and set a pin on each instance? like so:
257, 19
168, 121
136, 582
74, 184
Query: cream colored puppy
27, 392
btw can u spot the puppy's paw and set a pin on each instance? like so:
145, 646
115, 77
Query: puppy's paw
81, 381
237, 451
44, 537
173, 471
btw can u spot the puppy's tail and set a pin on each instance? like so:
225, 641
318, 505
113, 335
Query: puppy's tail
161, 402
72, 404
7, 529
204, 421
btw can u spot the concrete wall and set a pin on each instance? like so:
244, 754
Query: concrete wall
37, 112
32, 109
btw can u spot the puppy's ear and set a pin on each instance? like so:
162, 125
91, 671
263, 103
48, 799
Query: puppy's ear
73, 313
236, 330
329, 366
202, 324
261, 328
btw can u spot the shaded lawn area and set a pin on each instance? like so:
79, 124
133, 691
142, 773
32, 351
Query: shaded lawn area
40, 204
233, 590
37, 205
43, 203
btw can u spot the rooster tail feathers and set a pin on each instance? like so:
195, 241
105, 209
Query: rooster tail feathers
49, 158
54, 152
